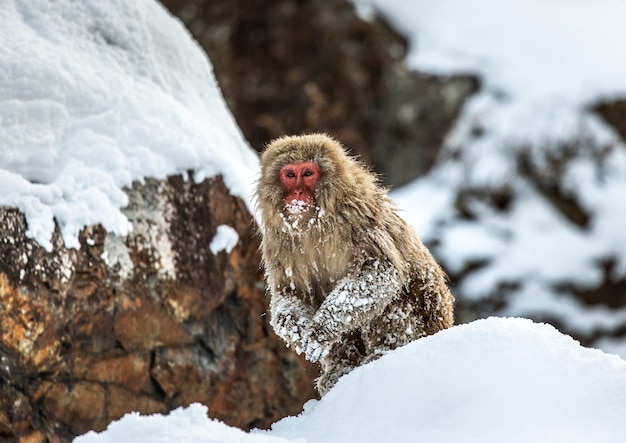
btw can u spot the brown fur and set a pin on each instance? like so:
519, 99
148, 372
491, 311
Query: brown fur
352, 241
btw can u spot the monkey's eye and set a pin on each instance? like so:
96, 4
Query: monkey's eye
308, 173
290, 174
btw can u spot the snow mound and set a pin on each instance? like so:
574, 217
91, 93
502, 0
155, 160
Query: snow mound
183, 425
491, 380
95, 95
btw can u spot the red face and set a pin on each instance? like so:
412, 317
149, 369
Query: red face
299, 180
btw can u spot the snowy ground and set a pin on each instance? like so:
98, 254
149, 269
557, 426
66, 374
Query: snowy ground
495, 380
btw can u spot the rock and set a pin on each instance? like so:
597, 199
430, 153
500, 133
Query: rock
289, 67
144, 323
614, 113
80, 406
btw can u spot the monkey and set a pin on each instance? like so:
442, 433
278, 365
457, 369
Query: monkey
348, 278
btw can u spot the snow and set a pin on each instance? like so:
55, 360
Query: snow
95, 95
542, 66
527, 49
493, 380
183, 425
226, 238
296, 206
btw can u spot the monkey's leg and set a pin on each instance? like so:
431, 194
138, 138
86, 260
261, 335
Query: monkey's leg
345, 355
399, 324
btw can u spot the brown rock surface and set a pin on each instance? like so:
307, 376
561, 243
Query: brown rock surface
145, 323
614, 113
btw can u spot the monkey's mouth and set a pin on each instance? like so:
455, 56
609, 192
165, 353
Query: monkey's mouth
296, 206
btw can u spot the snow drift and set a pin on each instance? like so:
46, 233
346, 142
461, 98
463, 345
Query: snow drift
492, 380
95, 95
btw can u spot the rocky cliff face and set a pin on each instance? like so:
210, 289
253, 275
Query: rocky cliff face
144, 323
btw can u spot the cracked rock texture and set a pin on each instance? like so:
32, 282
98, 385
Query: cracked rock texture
145, 323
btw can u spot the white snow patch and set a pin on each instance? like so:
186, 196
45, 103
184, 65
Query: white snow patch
95, 95
226, 238
183, 425
489, 381
296, 206
518, 47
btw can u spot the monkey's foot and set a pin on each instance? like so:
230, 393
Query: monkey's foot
327, 380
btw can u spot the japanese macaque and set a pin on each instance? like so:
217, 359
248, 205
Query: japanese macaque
348, 278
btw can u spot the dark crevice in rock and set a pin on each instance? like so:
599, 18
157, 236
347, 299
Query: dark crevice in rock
550, 183
611, 292
614, 113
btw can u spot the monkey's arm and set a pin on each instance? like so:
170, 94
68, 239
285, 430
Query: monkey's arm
356, 300
289, 317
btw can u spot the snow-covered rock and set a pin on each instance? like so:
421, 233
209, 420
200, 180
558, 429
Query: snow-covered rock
95, 95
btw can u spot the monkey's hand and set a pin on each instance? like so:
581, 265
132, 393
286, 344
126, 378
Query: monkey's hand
289, 319
313, 347
356, 300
